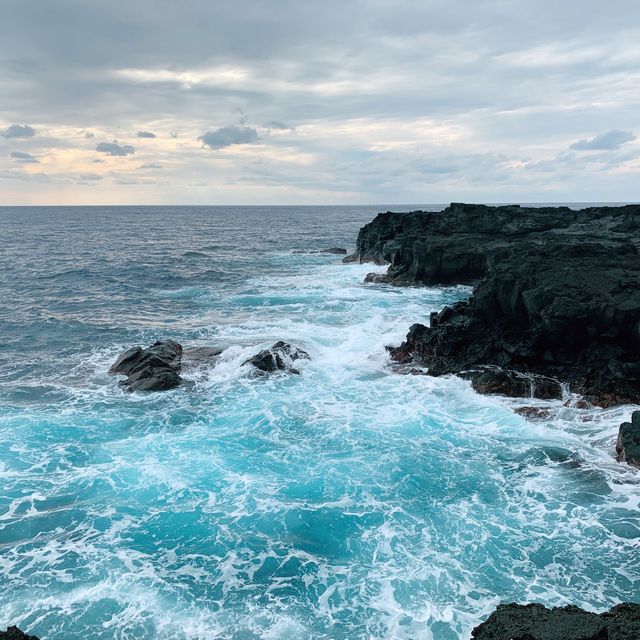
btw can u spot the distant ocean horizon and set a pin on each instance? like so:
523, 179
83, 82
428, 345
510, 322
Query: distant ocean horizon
382, 206
347, 502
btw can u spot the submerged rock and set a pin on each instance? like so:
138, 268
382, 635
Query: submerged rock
13, 633
557, 293
377, 278
628, 444
537, 622
533, 413
338, 251
156, 368
280, 357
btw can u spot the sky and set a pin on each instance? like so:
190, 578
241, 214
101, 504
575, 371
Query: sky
309, 102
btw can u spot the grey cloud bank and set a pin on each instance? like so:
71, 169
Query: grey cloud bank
392, 101
228, 136
115, 149
18, 131
610, 140
22, 156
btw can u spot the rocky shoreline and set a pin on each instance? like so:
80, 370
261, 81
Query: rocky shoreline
555, 307
556, 294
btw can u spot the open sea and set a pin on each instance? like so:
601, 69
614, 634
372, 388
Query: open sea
346, 503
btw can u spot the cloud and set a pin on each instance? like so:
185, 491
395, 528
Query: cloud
150, 165
276, 124
228, 136
22, 156
18, 131
145, 134
420, 85
613, 139
115, 149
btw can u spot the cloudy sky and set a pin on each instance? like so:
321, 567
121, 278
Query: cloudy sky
308, 101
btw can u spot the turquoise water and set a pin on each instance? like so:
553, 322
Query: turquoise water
348, 502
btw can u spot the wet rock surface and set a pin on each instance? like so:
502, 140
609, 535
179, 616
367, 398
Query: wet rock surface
536, 622
279, 357
557, 292
156, 368
628, 443
13, 633
533, 413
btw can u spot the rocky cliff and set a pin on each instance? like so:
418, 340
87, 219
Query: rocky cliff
556, 295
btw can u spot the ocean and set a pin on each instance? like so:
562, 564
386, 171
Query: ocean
348, 502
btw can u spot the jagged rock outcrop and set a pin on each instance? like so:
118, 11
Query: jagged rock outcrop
13, 633
536, 622
460, 244
628, 443
556, 294
158, 367
280, 357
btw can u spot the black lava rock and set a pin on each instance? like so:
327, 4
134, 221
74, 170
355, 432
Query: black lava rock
280, 357
557, 293
536, 622
377, 278
154, 369
13, 633
628, 444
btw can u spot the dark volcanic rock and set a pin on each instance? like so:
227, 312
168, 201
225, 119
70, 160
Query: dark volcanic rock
513, 384
628, 444
280, 357
377, 278
557, 292
536, 622
13, 633
533, 413
154, 369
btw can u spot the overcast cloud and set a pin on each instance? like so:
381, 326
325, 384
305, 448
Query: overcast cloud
345, 101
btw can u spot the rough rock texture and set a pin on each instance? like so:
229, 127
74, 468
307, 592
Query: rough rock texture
533, 413
13, 633
628, 444
280, 357
154, 369
556, 292
536, 622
